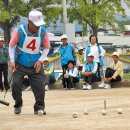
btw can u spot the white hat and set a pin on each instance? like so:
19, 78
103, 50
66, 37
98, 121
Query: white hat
2, 39
80, 48
64, 36
91, 54
46, 59
36, 17
115, 54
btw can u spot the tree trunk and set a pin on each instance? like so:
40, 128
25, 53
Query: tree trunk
94, 30
6, 29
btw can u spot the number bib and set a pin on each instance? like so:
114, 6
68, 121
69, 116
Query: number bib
31, 45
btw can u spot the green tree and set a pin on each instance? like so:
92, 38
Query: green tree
97, 13
11, 10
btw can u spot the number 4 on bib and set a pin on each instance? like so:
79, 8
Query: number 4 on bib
32, 45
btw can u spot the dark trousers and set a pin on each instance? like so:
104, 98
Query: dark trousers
91, 78
98, 70
109, 73
70, 82
36, 82
26, 83
4, 70
80, 68
49, 80
64, 68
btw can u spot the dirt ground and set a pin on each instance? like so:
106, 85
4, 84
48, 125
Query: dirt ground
60, 104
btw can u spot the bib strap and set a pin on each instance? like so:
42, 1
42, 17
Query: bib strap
23, 30
39, 32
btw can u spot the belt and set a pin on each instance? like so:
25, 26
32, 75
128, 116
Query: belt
28, 67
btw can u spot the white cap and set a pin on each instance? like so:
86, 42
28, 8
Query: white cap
46, 59
115, 54
91, 54
80, 48
64, 36
2, 39
36, 17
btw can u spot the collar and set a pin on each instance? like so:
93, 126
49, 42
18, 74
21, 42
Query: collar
116, 63
28, 32
65, 45
93, 45
90, 63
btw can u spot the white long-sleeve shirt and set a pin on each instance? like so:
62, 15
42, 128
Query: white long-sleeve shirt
94, 50
72, 72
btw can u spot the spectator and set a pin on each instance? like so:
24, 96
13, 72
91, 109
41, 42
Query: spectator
4, 57
80, 58
98, 52
67, 53
72, 75
89, 72
49, 74
114, 73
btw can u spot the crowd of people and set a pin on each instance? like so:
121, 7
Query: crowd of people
88, 63
31, 66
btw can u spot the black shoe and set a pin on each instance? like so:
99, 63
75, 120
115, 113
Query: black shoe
17, 110
40, 112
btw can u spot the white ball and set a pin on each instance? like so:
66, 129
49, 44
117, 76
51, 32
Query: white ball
119, 110
40, 113
103, 112
75, 114
85, 112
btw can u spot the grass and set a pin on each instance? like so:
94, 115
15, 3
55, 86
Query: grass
126, 76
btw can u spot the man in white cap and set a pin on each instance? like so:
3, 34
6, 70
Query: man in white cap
26, 59
80, 58
113, 73
67, 53
90, 72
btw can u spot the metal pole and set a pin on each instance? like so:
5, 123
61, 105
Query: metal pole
64, 15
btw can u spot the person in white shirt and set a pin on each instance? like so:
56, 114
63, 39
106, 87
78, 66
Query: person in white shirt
71, 76
89, 72
98, 52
